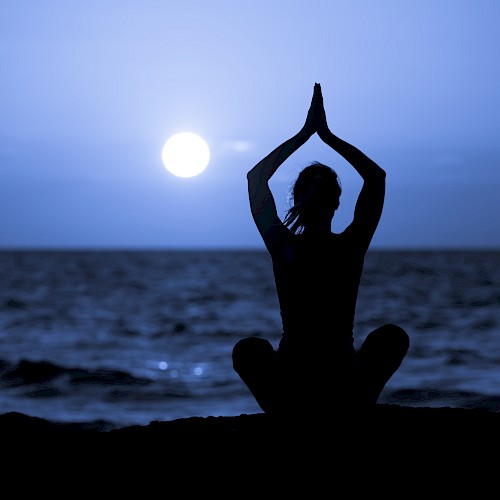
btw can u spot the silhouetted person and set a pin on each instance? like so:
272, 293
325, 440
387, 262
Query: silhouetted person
317, 274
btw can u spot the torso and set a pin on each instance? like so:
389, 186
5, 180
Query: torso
317, 282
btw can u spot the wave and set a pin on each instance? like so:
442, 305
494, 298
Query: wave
442, 398
27, 372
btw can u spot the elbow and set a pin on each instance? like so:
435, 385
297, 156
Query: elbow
252, 181
251, 174
375, 176
379, 173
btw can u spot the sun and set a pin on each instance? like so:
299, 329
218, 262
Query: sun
185, 154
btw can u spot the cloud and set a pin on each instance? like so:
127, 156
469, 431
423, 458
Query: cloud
238, 146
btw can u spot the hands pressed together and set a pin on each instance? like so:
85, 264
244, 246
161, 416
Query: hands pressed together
316, 116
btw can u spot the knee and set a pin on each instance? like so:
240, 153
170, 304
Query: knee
250, 348
388, 337
397, 336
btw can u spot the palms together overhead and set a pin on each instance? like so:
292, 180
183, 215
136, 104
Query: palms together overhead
316, 117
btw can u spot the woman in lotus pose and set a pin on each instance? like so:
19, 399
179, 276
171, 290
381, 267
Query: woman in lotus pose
317, 274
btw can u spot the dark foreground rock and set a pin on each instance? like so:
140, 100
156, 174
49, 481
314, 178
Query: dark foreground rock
390, 450
384, 425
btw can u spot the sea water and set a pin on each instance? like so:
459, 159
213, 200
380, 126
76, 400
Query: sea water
130, 337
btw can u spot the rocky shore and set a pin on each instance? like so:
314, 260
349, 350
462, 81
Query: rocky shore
390, 448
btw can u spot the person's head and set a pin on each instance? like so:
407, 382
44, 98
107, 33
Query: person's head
314, 197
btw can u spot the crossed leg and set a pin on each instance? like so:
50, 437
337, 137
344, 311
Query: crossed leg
379, 357
254, 360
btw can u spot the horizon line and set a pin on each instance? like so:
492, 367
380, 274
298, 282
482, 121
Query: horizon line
233, 248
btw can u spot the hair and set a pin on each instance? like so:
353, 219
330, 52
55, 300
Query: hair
316, 190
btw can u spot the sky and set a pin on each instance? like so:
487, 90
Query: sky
91, 90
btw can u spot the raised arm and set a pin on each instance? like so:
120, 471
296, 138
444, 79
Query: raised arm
262, 203
371, 197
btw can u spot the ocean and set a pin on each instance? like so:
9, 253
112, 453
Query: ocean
131, 337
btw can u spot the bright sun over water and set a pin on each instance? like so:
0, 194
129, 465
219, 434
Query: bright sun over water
185, 154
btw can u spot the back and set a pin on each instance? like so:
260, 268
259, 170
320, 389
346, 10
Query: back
317, 282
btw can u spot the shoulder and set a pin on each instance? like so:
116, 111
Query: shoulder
277, 237
353, 240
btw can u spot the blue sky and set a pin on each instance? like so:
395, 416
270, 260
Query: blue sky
91, 90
